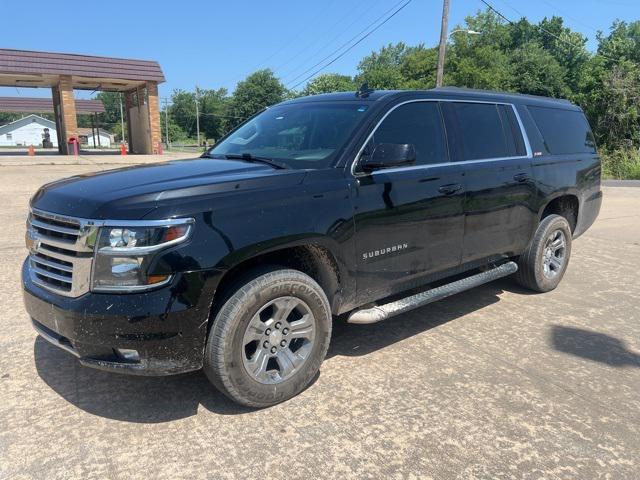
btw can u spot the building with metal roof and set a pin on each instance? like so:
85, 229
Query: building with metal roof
65, 72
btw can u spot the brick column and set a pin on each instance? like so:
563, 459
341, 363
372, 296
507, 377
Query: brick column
67, 107
154, 116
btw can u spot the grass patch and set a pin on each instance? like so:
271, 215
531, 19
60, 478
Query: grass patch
621, 164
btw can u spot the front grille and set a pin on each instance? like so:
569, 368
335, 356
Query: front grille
60, 252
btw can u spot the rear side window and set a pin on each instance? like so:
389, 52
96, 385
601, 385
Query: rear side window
419, 124
564, 131
477, 131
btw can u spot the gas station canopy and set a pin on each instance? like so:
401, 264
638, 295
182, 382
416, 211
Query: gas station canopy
66, 72
23, 68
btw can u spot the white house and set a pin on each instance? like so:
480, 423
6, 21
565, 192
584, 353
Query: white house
90, 139
29, 130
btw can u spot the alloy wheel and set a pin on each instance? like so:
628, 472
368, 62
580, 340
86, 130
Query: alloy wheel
278, 340
554, 254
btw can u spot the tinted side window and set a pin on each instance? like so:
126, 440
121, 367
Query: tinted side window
417, 123
564, 131
479, 131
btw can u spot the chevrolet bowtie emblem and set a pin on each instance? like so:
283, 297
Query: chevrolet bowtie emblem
32, 242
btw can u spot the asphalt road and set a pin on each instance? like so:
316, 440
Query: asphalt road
491, 383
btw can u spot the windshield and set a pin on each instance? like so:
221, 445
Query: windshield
304, 135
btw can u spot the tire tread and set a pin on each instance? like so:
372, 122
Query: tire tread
527, 274
215, 368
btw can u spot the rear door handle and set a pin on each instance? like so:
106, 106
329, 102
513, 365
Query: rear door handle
521, 177
450, 189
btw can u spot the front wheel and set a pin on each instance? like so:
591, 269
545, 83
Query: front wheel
269, 338
543, 264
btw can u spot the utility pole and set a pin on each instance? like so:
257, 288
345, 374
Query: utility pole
166, 121
443, 43
197, 118
122, 119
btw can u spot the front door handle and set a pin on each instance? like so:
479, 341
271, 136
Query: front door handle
521, 177
450, 189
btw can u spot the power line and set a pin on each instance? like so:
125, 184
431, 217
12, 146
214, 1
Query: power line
533, 24
346, 43
402, 7
344, 30
542, 29
570, 17
291, 41
496, 11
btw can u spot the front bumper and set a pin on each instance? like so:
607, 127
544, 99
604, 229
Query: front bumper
167, 326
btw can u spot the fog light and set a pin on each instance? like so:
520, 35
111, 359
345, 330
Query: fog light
127, 354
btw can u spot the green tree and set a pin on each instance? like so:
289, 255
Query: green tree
213, 107
8, 117
259, 90
109, 119
329, 82
111, 102
381, 69
482, 66
609, 87
567, 47
182, 112
536, 71
176, 133
418, 68
622, 43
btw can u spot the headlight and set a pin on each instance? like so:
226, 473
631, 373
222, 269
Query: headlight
123, 254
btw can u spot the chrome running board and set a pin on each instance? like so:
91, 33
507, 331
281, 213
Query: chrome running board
388, 310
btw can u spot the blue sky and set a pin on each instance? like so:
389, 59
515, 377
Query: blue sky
215, 44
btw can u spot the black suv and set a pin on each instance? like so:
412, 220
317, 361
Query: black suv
361, 204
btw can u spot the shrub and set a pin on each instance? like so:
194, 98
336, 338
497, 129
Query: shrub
623, 163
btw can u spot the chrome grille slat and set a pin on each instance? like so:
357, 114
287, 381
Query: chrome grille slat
53, 218
48, 274
61, 254
56, 242
58, 266
57, 255
55, 228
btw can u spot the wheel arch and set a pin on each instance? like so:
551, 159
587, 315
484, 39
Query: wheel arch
566, 204
310, 256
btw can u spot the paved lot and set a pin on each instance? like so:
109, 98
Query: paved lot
492, 383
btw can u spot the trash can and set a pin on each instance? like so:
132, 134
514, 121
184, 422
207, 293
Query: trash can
73, 146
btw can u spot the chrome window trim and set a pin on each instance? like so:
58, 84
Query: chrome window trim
525, 139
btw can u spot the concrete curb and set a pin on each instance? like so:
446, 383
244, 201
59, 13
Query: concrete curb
621, 183
23, 160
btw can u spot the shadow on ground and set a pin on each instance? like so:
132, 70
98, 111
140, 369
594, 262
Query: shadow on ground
162, 399
594, 346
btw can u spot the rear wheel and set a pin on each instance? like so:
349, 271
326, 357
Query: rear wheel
269, 338
543, 264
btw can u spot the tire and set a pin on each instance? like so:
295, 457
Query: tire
543, 264
257, 374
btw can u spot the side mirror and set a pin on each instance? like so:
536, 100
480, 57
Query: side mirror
388, 155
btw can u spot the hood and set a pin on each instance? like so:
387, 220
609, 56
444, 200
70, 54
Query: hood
129, 193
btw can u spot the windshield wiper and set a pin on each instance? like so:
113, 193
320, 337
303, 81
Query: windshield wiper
249, 158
